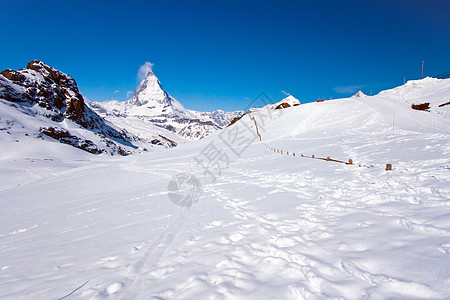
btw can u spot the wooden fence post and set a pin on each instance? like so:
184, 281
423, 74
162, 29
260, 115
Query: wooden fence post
350, 161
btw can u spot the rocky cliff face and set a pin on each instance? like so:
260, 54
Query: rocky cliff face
44, 85
58, 98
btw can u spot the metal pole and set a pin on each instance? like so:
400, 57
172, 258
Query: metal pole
421, 77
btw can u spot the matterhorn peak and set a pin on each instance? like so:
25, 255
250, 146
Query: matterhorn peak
359, 94
150, 91
150, 97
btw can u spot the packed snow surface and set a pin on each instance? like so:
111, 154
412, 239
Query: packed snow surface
267, 225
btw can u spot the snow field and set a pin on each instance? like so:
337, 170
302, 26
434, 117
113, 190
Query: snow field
269, 226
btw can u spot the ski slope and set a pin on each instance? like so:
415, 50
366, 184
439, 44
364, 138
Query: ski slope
267, 226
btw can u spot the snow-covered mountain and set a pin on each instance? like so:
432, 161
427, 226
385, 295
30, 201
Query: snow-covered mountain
289, 101
152, 109
286, 102
150, 99
358, 95
43, 102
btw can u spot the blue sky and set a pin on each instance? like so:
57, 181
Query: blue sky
221, 54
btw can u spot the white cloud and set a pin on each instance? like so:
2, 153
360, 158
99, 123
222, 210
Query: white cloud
286, 93
116, 92
143, 71
129, 94
351, 89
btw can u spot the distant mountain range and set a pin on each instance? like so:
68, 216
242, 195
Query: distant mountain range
43, 102
151, 109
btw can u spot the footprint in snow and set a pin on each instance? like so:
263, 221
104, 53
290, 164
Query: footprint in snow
108, 262
236, 237
63, 266
445, 248
137, 248
213, 224
363, 224
194, 238
113, 288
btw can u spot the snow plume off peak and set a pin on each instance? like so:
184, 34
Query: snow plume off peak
144, 70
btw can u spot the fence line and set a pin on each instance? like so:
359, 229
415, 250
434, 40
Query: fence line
350, 161
443, 75
256, 126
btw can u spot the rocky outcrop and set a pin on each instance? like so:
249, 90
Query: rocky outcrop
237, 119
282, 105
69, 95
444, 104
422, 106
63, 136
285, 103
44, 85
58, 94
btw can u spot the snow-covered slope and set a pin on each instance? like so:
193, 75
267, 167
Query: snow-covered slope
152, 107
267, 225
428, 90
